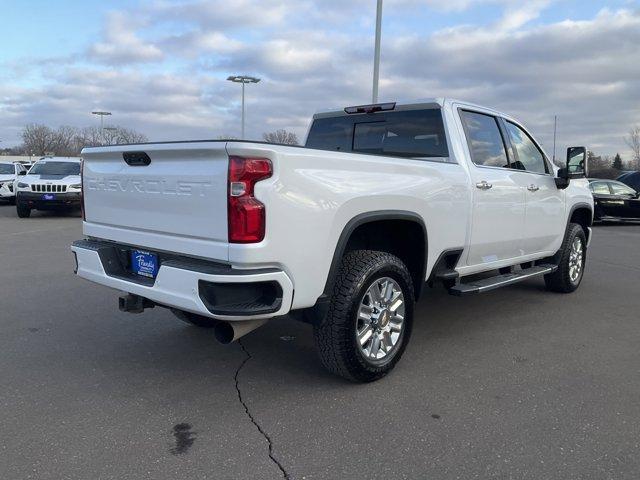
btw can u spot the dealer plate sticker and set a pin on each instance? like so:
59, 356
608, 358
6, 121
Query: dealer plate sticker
144, 263
48, 196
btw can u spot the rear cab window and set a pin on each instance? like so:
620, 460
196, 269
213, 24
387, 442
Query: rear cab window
415, 134
486, 145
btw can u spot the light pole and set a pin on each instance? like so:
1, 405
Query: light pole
376, 55
101, 114
243, 79
108, 129
555, 125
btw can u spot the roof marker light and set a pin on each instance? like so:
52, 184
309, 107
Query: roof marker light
376, 107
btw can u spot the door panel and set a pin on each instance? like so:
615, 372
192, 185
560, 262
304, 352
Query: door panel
544, 202
498, 199
545, 219
634, 208
625, 194
498, 217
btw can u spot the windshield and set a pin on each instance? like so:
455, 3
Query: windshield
55, 168
7, 169
403, 133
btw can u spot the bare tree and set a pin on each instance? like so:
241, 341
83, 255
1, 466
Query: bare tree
281, 136
38, 139
633, 141
126, 135
64, 141
68, 141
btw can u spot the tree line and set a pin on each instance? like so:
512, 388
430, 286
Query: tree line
605, 166
39, 140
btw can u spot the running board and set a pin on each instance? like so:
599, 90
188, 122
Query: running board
491, 283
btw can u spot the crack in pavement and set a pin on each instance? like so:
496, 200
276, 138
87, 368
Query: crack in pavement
252, 418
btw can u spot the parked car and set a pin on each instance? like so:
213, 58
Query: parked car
9, 172
342, 233
614, 200
52, 183
632, 179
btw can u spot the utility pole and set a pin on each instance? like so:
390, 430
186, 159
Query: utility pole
243, 79
376, 55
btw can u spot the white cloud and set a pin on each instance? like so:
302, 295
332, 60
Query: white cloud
121, 44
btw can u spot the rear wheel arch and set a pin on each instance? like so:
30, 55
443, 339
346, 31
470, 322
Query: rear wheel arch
411, 233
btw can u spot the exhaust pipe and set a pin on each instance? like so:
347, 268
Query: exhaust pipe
227, 332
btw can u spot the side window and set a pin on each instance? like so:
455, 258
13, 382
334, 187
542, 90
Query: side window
621, 189
530, 157
484, 139
600, 188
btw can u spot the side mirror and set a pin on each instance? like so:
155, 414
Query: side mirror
576, 162
22, 172
562, 180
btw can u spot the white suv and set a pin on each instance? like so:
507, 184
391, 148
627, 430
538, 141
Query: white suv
52, 183
9, 172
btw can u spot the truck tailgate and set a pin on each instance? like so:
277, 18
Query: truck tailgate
176, 202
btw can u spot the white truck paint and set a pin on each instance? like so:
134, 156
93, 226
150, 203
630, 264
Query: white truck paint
9, 173
176, 205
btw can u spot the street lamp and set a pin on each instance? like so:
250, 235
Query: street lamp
243, 79
101, 114
376, 55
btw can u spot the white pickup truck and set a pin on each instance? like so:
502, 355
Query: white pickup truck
343, 232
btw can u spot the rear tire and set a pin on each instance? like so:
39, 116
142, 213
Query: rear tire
193, 319
567, 277
23, 212
370, 316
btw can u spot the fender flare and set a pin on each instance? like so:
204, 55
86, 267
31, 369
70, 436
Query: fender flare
580, 206
370, 217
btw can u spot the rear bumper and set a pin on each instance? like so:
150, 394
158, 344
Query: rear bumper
216, 291
59, 200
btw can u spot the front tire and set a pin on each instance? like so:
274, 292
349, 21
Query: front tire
370, 316
567, 277
23, 212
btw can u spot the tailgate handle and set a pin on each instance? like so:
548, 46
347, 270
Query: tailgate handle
136, 159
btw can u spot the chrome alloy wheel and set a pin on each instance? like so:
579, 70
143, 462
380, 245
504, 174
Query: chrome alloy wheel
576, 259
380, 319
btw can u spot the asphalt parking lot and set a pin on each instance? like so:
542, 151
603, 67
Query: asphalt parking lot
517, 383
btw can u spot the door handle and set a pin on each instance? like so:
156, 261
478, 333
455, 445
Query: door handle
483, 185
533, 188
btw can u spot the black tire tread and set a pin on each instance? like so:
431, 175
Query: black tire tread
23, 212
559, 280
333, 336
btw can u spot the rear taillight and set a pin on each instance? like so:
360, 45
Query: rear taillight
246, 214
84, 216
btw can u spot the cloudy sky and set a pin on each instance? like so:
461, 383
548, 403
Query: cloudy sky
160, 66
